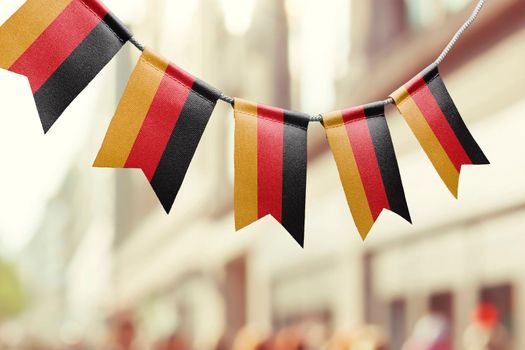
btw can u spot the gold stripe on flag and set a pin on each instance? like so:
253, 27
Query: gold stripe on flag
132, 111
428, 140
25, 26
349, 172
245, 188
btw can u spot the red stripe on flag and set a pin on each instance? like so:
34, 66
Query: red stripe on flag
425, 100
96, 7
366, 159
180, 75
158, 125
270, 137
55, 44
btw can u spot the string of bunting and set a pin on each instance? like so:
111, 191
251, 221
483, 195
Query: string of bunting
61, 45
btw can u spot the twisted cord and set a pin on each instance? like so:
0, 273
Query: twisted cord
316, 118
453, 41
137, 44
227, 99
460, 32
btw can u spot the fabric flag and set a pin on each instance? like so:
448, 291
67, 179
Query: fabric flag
60, 46
433, 117
158, 124
362, 146
270, 166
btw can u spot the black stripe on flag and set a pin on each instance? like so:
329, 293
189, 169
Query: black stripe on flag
79, 69
183, 143
295, 156
386, 157
449, 109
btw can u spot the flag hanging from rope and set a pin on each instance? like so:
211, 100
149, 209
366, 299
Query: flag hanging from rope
433, 117
270, 166
60, 46
158, 124
362, 146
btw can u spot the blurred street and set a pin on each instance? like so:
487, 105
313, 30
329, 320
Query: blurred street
89, 259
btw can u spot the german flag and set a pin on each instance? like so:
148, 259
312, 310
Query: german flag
60, 46
433, 117
158, 125
270, 166
362, 146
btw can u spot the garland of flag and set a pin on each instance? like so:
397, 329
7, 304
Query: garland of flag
61, 45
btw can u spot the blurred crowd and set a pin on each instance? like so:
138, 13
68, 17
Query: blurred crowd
431, 332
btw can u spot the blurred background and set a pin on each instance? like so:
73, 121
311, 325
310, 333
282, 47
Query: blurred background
89, 260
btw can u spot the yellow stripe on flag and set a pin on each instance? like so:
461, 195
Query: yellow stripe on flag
132, 110
428, 140
25, 26
349, 172
245, 188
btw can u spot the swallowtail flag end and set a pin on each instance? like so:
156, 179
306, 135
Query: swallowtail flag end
430, 112
60, 46
158, 124
362, 147
270, 166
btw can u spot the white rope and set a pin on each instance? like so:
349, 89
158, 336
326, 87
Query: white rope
227, 99
441, 58
460, 32
137, 43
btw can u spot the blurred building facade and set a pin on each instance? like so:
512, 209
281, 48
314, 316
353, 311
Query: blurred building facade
462, 254
190, 270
